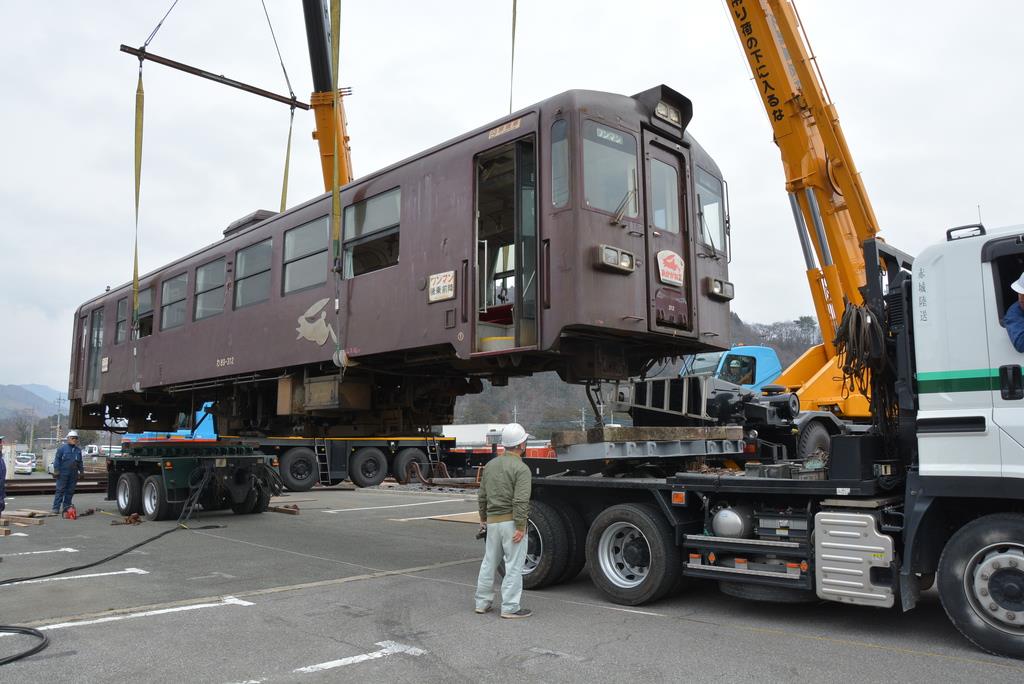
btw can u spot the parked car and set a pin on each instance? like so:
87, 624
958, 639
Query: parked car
91, 450
24, 463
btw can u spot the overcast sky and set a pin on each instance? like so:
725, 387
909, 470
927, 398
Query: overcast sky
929, 94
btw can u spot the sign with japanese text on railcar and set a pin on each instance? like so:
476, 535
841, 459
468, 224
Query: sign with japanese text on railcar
441, 287
504, 128
670, 268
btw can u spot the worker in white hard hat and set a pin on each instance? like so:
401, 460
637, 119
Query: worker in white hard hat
504, 499
67, 466
1014, 318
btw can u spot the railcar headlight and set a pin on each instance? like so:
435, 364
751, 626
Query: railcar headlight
611, 258
668, 113
626, 260
719, 289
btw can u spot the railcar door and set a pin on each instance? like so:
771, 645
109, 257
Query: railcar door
93, 369
669, 278
506, 235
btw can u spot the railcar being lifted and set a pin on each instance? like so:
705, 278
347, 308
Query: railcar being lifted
580, 235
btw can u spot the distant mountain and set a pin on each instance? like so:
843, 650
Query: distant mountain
47, 393
15, 398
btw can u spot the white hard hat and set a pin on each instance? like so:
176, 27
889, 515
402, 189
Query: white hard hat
1018, 285
513, 435
72, 434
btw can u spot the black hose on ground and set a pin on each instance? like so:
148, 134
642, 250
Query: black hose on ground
44, 641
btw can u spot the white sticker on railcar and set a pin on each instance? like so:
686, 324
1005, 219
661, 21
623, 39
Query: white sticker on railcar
442, 287
313, 325
670, 267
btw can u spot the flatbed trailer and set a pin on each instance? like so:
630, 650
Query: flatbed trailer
157, 479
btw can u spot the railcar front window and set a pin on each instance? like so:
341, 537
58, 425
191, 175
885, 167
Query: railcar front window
252, 274
305, 256
371, 233
560, 163
664, 196
209, 290
609, 169
172, 302
712, 210
121, 326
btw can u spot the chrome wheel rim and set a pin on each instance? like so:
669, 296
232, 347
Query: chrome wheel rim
122, 494
534, 548
624, 555
994, 584
149, 498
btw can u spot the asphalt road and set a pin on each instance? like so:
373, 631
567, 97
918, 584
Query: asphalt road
363, 586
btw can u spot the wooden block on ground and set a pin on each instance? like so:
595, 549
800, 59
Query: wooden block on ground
470, 517
284, 509
23, 520
3, 522
275, 500
4, 531
36, 513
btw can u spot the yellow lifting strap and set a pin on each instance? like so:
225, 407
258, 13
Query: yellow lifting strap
287, 162
140, 98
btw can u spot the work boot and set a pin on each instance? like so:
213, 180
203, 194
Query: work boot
521, 613
481, 611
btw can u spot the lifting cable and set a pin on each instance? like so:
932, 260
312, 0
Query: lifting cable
335, 187
291, 118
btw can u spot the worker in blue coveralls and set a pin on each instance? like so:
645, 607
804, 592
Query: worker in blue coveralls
67, 466
1014, 318
3, 475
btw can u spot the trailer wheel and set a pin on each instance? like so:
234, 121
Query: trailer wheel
369, 467
576, 540
400, 467
154, 499
981, 583
299, 469
248, 504
813, 436
129, 493
632, 554
547, 550
263, 495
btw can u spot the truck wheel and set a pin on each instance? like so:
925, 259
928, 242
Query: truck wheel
632, 554
369, 467
129, 493
299, 469
263, 494
247, 504
154, 499
400, 467
547, 550
981, 583
576, 540
813, 436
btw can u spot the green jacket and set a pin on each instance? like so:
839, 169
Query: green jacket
505, 491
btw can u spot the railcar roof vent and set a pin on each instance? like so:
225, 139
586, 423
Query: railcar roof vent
248, 220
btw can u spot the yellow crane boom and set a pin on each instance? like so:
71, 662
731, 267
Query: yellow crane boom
830, 206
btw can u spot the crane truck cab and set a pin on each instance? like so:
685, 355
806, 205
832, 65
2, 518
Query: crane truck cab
752, 367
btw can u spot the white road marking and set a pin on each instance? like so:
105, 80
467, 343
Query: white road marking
213, 575
126, 571
621, 610
17, 534
430, 517
226, 601
66, 549
387, 648
375, 508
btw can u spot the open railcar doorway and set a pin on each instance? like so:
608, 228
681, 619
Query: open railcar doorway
506, 239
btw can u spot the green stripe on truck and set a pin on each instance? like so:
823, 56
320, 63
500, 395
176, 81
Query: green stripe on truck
976, 380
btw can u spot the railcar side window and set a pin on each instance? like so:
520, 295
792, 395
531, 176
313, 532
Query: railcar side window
609, 169
172, 301
209, 290
145, 313
560, 163
371, 233
712, 210
252, 274
664, 196
121, 324
305, 255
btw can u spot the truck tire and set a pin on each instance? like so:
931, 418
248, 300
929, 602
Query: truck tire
369, 467
981, 583
548, 547
400, 466
299, 469
632, 554
263, 495
154, 499
129, 493
248, 504
813, 436
576, 540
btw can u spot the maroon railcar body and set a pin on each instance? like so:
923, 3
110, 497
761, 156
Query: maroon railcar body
585, 235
